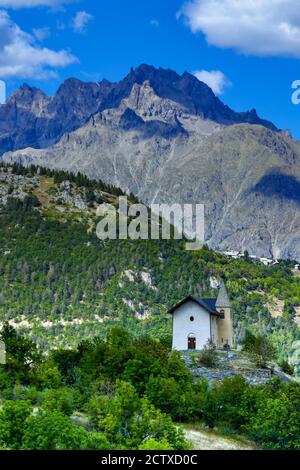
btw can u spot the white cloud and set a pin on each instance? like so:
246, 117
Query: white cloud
41, 33
21, 57
254, 27
80, 21
215, 79
2, 92
32, 3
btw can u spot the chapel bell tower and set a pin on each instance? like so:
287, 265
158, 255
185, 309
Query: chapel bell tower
225, 327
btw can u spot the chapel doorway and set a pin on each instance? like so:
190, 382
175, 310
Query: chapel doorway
191, 343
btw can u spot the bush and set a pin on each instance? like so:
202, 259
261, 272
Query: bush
259, 349
165, 394
276, 424
286, 367
152, 444
54, 431
13, 418
208, 357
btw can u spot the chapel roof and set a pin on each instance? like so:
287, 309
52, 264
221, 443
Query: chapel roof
208, 304
223, 299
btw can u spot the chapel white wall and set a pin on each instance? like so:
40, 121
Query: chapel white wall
183, 327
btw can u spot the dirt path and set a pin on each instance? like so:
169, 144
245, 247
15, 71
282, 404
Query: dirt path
202, 440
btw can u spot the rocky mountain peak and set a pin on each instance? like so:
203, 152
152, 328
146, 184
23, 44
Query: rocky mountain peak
148, 72
74, 85
31, 118
78, 98
25, 95
186, 90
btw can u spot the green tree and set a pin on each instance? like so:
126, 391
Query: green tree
13, 422
119, 351
58, 400
21, 353
289, 311
47, 375
259, 349
230, 396
211, 408
276, 424
53, 431
165, 394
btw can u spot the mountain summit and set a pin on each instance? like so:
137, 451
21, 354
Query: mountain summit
32, 119
193, 95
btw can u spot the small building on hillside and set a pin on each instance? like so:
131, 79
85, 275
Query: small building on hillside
197, 321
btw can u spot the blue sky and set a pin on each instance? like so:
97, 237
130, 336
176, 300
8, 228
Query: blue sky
256, 60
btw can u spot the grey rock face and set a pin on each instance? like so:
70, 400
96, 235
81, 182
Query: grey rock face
230, 365
168, 139
14, 186
32, 119
224, 168
185, 90
68, 195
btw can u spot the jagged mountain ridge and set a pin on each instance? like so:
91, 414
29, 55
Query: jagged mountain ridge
151, 138
193, 95
30, 118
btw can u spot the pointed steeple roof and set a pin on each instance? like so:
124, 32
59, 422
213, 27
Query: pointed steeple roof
223, 299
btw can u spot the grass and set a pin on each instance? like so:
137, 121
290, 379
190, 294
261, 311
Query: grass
43, 191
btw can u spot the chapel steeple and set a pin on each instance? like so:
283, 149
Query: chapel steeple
225, 327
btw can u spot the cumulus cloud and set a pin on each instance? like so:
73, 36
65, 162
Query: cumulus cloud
215, 79
256, 27
21, 57
32, 3
80, 21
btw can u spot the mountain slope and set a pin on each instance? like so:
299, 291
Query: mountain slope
167, 138
61, 284
247, 176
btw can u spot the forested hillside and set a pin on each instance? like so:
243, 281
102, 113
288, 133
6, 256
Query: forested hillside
87, 333
60, 284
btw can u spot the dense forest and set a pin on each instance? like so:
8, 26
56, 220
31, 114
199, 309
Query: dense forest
60, 284
126, 393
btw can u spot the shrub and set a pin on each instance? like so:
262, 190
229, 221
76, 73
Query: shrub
276, 424
259, 349
208, 357
54, 431
286, 367
152, 444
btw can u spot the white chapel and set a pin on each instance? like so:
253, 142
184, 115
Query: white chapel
197, 321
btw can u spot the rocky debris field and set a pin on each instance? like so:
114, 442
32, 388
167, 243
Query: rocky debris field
231, 364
